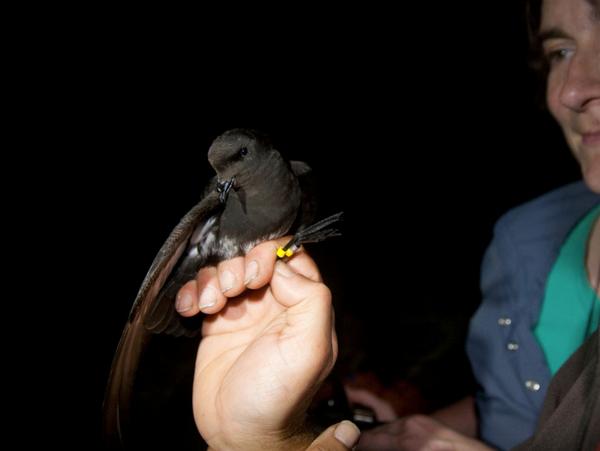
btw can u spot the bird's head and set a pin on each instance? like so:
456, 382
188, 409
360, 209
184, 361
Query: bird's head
237, 153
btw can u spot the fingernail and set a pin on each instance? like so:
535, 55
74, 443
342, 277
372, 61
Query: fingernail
251, 271
226, 279
347, 433
283, 269
184, 302
208, 298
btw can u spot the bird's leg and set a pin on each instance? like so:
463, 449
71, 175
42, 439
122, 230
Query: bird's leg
223, 188
314, 233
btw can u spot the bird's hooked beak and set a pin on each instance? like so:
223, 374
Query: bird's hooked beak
223, 188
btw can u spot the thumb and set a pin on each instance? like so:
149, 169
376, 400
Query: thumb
293, 289
309, 317
339, 437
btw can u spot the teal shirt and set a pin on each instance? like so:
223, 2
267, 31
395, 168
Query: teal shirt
571, 308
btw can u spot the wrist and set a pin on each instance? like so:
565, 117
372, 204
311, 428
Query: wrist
298, 440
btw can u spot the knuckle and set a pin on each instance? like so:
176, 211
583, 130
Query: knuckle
321, 290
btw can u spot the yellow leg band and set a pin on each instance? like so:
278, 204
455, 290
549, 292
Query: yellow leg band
281, 253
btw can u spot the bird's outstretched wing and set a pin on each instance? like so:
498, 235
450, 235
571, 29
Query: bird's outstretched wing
154, 312
154, 302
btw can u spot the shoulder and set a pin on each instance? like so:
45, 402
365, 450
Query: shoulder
527, 238
553, 213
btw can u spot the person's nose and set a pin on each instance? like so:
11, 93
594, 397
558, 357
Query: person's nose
581, 86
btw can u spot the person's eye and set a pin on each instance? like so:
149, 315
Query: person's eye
243, 151
557, 55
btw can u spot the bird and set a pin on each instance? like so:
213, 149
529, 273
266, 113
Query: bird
256, 195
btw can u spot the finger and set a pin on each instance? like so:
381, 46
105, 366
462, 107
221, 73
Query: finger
303, 264
260, 262
334, 347
231, 276
185, 302
209, 297
339, 437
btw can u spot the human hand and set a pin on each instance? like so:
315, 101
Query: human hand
381, 407
417, 433
338, 437
264, 351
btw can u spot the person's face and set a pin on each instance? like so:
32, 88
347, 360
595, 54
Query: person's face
570, 31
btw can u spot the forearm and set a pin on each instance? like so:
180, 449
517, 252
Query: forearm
459, 416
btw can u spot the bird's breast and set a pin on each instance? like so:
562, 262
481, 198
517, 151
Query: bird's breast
253, 215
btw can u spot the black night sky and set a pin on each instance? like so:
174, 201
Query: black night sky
424, 127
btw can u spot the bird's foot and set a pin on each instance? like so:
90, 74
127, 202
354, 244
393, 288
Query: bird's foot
223, 188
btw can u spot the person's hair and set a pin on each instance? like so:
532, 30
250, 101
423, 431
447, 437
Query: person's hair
533, 9
533, 14
537, 61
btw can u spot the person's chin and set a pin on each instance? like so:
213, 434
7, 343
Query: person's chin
591, 174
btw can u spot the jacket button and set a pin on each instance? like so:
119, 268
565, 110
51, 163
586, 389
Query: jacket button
512, 346
532, 385
504, 322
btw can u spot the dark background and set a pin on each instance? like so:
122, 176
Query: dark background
424, 126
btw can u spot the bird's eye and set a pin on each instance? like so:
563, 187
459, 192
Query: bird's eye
243, 151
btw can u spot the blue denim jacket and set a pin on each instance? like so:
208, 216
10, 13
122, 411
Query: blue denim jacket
506, 359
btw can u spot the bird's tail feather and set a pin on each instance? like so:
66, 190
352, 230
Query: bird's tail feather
120, 383
148, 396
316, 232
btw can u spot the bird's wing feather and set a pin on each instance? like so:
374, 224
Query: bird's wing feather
169, 255
300, 168
149, 308
308, 211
